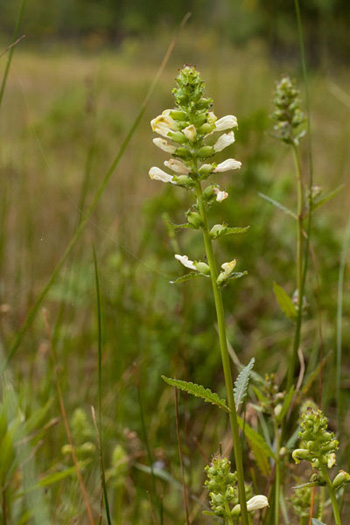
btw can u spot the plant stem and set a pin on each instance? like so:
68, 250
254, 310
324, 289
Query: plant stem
277, 474
228, 511
332, 495
224, 354
300, 275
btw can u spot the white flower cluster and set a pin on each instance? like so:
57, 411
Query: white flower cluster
168, 127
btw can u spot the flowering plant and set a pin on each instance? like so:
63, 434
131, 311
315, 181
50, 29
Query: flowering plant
192, 134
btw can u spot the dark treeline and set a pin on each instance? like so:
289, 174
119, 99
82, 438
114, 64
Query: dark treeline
326, 21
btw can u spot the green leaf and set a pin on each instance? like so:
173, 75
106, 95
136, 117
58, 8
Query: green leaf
260, 448
314, 521
242, 383
327, 197
285, 302
278, 205
198, 391
219, 230
286, 404
188, 277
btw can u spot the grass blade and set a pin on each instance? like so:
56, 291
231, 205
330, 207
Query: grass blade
99, 426
12, 49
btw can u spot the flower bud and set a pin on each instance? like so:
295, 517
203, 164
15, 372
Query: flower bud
206, 170
340, 479
299, 454
177, 114
177, 136
202, 267
206, 152
194, 219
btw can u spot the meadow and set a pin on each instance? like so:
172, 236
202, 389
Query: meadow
63, 118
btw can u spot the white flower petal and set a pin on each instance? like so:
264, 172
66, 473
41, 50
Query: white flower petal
190, 132
177, 166
158, 174
228, 164
164, 145
228, 267
225, 140
228, 122
220, 195
212, 118
257, 503
183, 259
163, 124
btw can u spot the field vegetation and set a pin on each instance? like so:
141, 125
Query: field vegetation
111, 324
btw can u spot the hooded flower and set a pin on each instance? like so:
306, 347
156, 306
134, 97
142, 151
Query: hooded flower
177, 166
158, 174
227, 122
164, 145
257, 503
220, 195
228, 164
183, 259
225, 140
164, 124
190, 132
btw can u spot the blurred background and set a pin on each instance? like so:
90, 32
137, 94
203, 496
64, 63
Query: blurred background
75, 87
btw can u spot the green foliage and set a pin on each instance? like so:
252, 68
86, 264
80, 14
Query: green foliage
285, 302
242, 383
198, 391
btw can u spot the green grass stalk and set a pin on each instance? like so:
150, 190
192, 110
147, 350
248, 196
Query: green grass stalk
277, 474
224, 354
340, 319
99, 324
12, 49
299, 264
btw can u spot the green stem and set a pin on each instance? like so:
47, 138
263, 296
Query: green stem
332, 495
277, 474
300, 273
224, 354
228, 512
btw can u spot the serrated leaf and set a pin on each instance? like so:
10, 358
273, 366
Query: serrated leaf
198, 391
219, 230
327, 197
315, 521
187, 277
278, 205
260, 448
242, 382
286, 404
177, 227
285, 302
